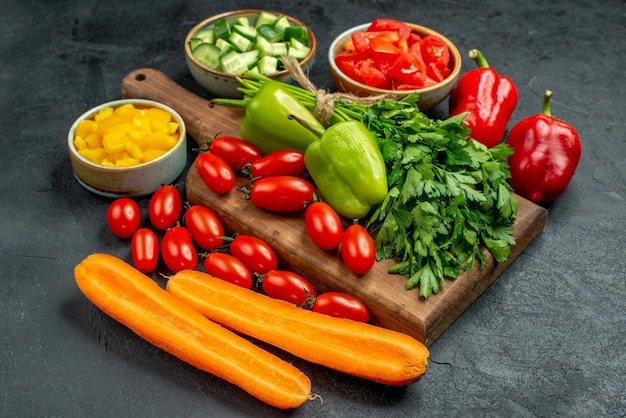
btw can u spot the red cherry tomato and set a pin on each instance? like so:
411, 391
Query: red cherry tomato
288, 286
257, 255
165, 207
358, 250
177, 249
205, 227
281, 193
323, 225
229, 268
145, 250
278, 163
341, 305
215, 172
235, 151
123, 217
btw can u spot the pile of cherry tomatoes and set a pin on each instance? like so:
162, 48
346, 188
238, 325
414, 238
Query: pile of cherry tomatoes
244, 260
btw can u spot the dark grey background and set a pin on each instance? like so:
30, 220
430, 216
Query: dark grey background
546, 339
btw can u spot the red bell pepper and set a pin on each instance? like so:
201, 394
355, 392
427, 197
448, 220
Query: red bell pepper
547, 151
489, 97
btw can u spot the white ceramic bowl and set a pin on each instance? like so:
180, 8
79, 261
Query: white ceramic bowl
139, 180
429, 96
225, 85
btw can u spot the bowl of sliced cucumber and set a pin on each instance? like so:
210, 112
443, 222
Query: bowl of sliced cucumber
224, 47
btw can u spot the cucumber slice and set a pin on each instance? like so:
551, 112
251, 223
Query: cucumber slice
194, 42
240, 42
225, 46
297, 33
239, 63
207, 54
222, 29
246, 31
266, 18
279, 49
206, 34
263, 46
269, 33
298, 53
242, 20
268, 65
281, 24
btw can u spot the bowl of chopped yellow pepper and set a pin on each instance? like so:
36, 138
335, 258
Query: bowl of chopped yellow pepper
127, 148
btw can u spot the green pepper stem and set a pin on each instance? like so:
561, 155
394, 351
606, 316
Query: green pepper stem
228, 102
545, 104
305, 124
479, 58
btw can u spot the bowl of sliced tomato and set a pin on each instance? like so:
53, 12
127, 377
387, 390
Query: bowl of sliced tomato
388, 56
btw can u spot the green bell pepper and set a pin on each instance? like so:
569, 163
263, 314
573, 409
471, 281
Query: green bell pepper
347, 168
266, 124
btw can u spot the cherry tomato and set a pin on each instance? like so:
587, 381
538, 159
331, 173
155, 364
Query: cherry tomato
278, 163
341, 305
205, 227
288, 286
257, 255
234, 151
145, 250
215, 172
165, 207
281, 193
229, 268
177, 249
358, 250
323, 225
123, 217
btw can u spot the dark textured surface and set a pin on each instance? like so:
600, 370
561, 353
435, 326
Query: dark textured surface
546, 339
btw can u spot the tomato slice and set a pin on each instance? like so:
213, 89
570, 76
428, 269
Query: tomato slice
371, 75
414, 38
433, 72
381, 25
383, 52
408, 69
434, 49
347, 63
402, 29
361, 40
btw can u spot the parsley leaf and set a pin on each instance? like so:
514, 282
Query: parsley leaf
448, 196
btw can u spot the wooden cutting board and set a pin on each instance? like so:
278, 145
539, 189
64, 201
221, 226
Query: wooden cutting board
390, 304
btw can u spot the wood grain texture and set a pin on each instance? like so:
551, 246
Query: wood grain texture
390, 304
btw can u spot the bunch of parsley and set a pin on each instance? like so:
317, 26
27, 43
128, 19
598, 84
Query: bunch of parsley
448, 196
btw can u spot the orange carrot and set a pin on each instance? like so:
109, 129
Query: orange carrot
352, 347
164, 320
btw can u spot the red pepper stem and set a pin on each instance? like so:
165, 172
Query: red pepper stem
545, 105
479, 58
